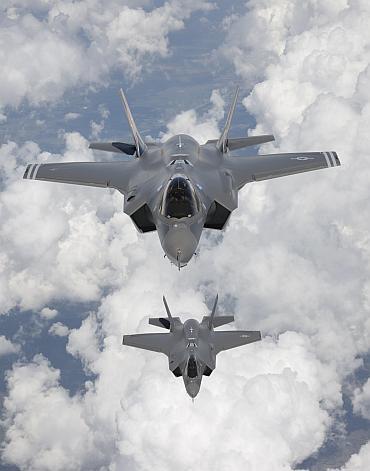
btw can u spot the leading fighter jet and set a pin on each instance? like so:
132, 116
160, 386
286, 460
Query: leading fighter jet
180, 187
191, 347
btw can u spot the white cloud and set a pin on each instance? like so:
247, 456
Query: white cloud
71, 116
51, 46
132, 410
7, 347
96, 128
359, 461
59, 329
361, 400
78, 251
52, 432
294, 259
201, 128
48, 313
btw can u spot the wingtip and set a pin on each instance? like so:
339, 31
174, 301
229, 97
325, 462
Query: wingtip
337, 160
25, 175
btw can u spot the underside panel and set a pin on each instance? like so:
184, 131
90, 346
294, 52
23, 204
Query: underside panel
143, 219
217, 216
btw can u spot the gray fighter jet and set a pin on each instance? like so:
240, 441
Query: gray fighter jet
191, 347
180, 187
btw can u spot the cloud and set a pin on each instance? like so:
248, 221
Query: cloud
7, 347
201, 128
49, 47
48, 313
122, 421
59, 329
60, 258
47, 417
71, 116
358, 461
361, 400
293, 262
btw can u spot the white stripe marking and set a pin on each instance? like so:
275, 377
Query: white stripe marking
35, 173
30, 172
327, 160
333, 157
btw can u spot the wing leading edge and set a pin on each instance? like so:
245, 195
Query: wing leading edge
99, 174
161, 343
265, 167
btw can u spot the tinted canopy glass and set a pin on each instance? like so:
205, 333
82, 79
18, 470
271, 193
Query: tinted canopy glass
192, 368
179, 200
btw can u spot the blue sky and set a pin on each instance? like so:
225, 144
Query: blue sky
294, 262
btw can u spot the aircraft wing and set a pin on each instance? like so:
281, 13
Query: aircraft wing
264, 167
162, 343
231, 339
100, 174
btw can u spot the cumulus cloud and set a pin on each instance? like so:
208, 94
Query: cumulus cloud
48, 313
358, 461
294, 259
48, 47
59, 329
47, 416
202, 127
77, 253
7, 347
121, 420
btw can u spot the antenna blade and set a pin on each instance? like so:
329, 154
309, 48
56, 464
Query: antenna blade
210, 325
222, 142
167, 308
139, 142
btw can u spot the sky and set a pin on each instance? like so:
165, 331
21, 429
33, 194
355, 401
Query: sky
294, 261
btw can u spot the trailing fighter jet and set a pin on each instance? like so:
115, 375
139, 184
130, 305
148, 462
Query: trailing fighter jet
180, 187
191, 347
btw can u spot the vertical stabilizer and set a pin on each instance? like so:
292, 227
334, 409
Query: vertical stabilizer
139, 142
222, 142
167, 309
210, 325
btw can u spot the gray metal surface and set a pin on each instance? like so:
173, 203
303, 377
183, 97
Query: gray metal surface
180, 187
191, 347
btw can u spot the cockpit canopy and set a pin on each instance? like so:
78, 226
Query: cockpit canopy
179, 198
192, 368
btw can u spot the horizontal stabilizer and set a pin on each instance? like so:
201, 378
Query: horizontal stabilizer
218, 320
163, 322
154, 342
232, 339
121, 147
241, 142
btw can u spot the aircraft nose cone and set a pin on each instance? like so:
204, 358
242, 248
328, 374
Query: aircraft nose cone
192, 388
180, 244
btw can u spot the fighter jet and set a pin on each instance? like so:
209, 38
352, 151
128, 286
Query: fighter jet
180, 187
191, 346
